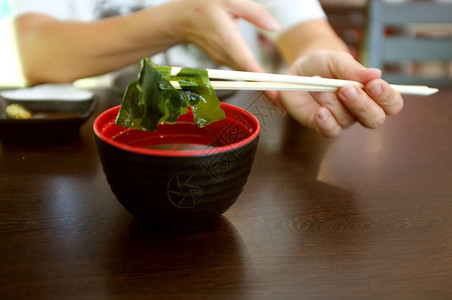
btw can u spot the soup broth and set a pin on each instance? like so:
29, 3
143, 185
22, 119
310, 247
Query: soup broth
186, 136
180, 146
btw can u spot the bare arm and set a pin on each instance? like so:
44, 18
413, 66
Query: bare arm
308, 36
62, 51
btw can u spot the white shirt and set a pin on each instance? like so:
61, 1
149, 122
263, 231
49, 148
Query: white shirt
287, 12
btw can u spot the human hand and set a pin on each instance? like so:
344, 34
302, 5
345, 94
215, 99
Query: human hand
329, 113
212, 25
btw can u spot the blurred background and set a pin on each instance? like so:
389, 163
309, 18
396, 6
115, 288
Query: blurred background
10, 74
353, 20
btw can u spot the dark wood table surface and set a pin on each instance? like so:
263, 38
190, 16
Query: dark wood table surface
366, 215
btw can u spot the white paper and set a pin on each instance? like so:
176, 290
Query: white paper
48, 92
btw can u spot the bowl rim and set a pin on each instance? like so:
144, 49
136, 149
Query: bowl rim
104, 119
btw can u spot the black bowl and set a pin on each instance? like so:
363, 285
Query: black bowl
181, 176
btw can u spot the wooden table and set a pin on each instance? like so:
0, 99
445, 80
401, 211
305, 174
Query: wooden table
367, 215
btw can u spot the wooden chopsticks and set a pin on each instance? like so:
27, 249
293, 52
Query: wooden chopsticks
240, 80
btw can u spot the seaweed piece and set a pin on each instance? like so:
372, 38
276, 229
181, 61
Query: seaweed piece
151, 99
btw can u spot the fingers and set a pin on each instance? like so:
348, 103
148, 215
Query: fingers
238, 55
213, 27
254, 13
308, 112
389, 100
372, 107
369, 106
326, 124
229, 48
332, 102
367, 111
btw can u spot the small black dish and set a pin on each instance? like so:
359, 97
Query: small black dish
51, 118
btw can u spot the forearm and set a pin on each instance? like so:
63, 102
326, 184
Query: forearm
62, 51
306, 37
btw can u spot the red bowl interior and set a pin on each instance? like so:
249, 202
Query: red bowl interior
238, 129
